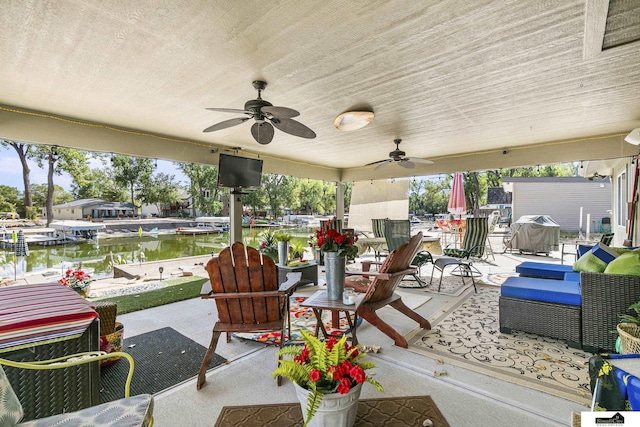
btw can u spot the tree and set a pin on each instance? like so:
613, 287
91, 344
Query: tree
161, 189
58, 159
278, 191
40, 191
24, 152
203, 187
309, 196
132, 172
8, 198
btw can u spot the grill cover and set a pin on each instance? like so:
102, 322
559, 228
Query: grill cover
535, 233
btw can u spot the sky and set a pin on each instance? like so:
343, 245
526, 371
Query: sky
11, 171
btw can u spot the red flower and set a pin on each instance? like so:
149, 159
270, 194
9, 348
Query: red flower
345, 386
339, 239
331, 341
357, 373
315, 375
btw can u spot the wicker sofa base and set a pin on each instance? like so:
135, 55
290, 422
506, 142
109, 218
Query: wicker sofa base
559, 321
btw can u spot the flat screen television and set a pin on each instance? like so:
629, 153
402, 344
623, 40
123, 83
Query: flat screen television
239, 172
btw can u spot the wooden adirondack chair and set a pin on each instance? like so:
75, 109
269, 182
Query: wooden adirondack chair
248, 297
379, 288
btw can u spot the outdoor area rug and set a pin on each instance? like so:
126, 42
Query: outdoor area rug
466, 334
385, 412
163, 358
451, 285
497, 279
304, 318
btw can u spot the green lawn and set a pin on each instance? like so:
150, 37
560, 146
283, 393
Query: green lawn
179, 289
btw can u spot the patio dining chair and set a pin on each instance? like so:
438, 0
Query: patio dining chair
136, 410
379, 289
397, 232
248, 297
473, 245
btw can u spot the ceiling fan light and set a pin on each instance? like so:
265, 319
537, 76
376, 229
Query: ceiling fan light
353, 120
633, 137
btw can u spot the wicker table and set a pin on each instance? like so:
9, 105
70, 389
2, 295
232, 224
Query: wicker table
319, 302
41, 322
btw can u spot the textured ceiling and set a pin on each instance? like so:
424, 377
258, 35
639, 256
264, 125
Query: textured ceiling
470, 85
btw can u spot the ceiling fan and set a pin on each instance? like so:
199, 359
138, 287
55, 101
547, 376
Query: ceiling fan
265, 115
398, 156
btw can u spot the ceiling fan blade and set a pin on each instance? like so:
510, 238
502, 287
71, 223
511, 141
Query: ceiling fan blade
226, 124
418, 160
262, 132
293, 127
405, 163
280, 112
375, 163
230, 110
383, 164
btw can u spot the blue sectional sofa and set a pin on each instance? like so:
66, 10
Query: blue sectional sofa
582, 308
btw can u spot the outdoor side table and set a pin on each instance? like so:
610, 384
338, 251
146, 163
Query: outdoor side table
319, 302
309, 272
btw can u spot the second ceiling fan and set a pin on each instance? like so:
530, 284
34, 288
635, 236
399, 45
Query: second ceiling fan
265, 115
398, 156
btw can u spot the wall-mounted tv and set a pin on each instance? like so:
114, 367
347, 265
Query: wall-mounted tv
239, 172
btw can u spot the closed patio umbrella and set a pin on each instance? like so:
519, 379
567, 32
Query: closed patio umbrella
457, 203
21, 250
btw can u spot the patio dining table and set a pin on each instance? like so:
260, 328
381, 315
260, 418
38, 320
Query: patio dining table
378, 244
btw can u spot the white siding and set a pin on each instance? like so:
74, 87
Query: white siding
562, 199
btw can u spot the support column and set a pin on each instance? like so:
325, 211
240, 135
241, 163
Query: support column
235, 217
340, 201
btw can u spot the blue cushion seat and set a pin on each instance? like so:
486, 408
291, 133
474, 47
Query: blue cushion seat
531, 288
543, 269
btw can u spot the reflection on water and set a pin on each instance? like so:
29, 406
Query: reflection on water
97, 254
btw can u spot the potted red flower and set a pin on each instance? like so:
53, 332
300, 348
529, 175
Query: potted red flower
328, 371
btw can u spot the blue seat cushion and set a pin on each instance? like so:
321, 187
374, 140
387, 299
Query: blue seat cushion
543, 269
532, 288
574, 276
633, 392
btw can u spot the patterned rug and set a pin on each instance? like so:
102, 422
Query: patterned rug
451, 285
466, 334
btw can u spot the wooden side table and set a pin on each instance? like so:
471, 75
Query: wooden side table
319, 302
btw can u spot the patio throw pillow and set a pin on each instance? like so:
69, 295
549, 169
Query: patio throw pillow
627, 264
596, 260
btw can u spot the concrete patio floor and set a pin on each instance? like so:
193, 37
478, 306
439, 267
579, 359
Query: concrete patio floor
464, 397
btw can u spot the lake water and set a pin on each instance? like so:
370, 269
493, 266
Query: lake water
97, 254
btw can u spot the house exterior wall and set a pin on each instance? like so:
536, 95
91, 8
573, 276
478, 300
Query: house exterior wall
561, 198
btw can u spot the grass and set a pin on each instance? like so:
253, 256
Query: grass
178, 289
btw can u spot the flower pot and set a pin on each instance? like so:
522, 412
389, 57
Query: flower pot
283, 253
336, 410
335, 267
83, 289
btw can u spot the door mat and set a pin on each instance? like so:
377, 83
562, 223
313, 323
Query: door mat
466, 334
385, 412
163, 358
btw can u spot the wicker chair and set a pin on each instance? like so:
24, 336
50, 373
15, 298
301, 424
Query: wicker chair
137, 410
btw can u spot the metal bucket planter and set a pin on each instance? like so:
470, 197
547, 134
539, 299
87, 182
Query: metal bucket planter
335, 267
336, 410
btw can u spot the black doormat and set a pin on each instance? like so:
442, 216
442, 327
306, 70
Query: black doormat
163, 358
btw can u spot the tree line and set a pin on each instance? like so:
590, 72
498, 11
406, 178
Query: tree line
136, 180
